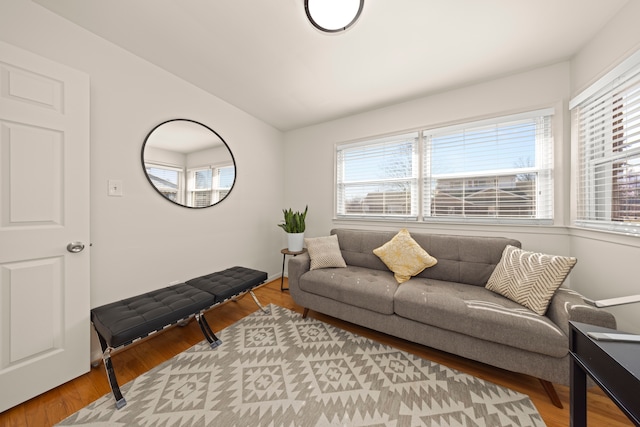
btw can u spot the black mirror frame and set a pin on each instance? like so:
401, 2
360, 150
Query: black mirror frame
144, 168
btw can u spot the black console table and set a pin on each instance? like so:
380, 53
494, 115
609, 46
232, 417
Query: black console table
613, 365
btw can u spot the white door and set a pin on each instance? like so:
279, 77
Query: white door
44, 205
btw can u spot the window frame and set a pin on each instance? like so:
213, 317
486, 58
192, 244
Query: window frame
424, 175
412, 180
543, 167
215, 190
603, 139
181, 179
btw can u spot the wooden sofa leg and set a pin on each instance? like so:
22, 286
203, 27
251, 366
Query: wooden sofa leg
551, 391
305, 313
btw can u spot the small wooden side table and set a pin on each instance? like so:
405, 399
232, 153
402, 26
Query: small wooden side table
284, 253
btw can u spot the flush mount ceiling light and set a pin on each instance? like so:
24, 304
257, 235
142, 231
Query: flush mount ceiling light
333, 16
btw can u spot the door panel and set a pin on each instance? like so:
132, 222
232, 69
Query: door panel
33, 88
36, 284
34, 181
44, 205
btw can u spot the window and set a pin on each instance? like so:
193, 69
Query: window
209, 185
226, 176
606, 119
167, 180
378, 178
497, 170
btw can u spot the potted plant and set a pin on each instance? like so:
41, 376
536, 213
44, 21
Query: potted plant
294, 225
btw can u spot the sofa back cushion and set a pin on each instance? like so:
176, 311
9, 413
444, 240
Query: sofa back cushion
462, 259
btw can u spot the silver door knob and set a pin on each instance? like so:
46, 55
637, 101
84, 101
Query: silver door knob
75, 247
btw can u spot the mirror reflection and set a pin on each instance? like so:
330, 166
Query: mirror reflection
188, 163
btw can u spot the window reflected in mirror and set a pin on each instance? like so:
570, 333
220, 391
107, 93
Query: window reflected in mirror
188, 163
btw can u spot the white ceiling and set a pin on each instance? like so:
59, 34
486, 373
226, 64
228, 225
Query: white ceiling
182, 136
265, 58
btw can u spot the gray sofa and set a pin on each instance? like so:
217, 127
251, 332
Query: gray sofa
447, 306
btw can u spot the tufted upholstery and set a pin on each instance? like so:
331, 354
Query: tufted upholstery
462, 259
447, 306
123, 321
364, 287
227, 283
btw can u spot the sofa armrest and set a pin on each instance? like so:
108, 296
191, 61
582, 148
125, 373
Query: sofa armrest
569, 305
297, 266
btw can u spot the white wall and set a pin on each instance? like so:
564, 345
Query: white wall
611, 262
141, 241
615, 42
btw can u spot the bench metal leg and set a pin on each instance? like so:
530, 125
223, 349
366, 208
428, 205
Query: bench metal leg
111, 374
207, 332
255, 299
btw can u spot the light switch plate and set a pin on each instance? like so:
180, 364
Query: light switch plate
115, 187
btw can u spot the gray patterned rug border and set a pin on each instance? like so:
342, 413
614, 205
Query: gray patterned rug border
279, 369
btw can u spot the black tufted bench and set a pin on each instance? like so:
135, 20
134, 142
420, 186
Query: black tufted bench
122, 322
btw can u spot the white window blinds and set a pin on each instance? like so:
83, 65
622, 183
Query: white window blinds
606, 124
209, 185
167, 180
378, 178
498, 170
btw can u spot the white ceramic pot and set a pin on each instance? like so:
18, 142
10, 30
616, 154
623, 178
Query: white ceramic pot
295, 242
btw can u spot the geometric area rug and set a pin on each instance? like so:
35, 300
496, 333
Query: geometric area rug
279, 369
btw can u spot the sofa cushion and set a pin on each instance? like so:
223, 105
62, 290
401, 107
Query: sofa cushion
529, 278
404, 256
480, 313
362, 287
324, 252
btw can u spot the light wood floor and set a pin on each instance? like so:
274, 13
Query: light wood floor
55, 405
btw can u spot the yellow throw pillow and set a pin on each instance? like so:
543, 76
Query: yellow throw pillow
404, 256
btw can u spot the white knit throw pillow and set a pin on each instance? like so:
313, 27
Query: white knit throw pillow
529, 278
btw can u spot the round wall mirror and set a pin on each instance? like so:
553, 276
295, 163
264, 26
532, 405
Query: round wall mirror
188, 163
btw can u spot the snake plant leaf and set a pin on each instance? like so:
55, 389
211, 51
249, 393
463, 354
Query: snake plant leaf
294, 222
